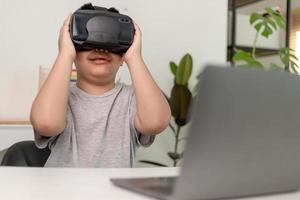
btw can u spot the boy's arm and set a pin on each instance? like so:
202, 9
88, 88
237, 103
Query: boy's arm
152, 109
48, 111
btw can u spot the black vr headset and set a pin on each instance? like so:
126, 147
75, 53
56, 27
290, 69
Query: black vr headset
94, 27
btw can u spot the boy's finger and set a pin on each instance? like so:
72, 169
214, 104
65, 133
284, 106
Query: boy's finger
136, 28
135, 25
67, 20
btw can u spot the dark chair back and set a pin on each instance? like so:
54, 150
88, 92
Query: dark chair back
25, 153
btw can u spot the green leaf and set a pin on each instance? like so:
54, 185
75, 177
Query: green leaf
258, 26
180, 104
246, 58
288, 58
292, 56
277, 17
173, 68
294, 63
267, 31
272, 23
294, 69
184, 70
254, 17
284, 55
268, 23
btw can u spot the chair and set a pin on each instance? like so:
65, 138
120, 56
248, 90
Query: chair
25, 153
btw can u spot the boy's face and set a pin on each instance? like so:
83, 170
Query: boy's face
97, 66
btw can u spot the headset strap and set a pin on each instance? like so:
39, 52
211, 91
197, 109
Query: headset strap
89, 6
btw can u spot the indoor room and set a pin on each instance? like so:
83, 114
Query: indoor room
150, 99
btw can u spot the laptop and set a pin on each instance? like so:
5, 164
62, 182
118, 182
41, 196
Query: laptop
244, 139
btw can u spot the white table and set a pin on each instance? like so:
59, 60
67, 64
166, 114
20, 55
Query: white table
18, 183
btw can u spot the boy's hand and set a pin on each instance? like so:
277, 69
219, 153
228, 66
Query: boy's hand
65, 44
135, 50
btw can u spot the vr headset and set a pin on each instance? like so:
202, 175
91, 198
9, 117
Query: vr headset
94, 27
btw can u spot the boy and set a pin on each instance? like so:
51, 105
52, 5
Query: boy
97, 122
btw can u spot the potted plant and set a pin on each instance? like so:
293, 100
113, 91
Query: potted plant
265, 25
180, 101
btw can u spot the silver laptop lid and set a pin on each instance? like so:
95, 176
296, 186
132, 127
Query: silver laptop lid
245, 135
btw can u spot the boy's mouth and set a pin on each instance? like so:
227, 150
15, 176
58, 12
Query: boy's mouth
99, 59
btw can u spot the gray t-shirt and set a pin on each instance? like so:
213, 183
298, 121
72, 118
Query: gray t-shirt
99, 131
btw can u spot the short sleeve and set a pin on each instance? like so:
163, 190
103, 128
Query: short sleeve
42, 142
139, 138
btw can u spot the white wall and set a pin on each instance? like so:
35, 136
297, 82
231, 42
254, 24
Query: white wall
12, 134
29, 31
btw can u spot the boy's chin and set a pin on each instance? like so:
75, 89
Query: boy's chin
101, 78
101, 71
